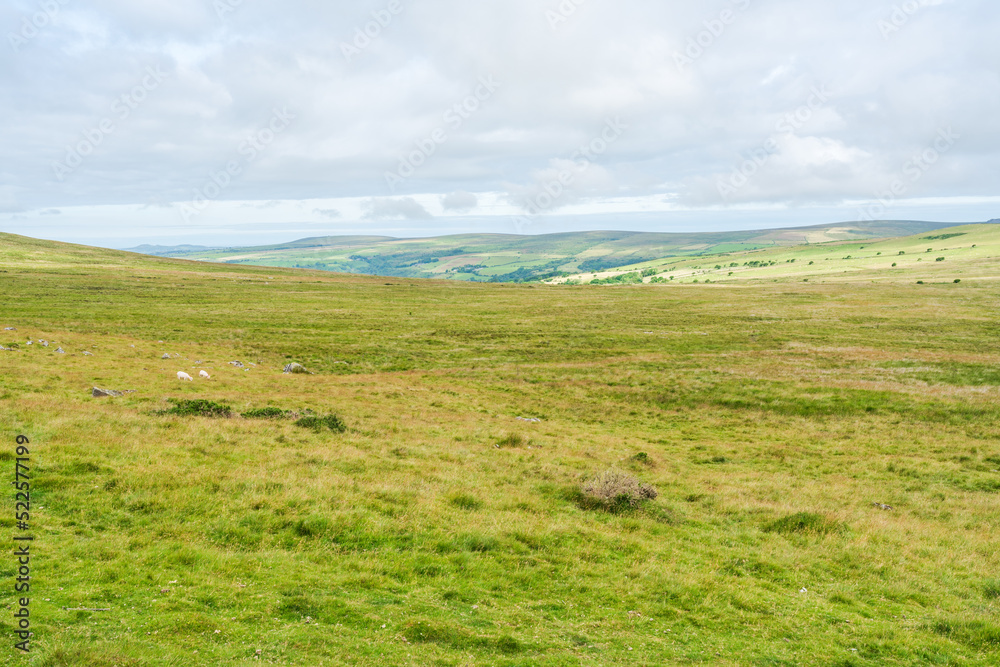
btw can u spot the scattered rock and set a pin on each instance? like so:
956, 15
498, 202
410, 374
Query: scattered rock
5, 349
88, 354
533, 420
44, 343
10, 329
238, 364
887, 508
104, 393
29, 343
296, 368
59, 350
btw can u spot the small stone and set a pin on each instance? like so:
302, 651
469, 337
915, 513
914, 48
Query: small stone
165, 356
59, 350
296, 368
88, 354
238, 364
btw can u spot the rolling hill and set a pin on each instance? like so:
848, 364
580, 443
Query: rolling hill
510, 258
952, 253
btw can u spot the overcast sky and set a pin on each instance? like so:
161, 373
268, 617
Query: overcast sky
241, 121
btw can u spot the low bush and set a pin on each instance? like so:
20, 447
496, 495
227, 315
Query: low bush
266, 413
318, 423
198, 408
616, 491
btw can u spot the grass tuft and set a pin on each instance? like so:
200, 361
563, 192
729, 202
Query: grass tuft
512, 440
803, 522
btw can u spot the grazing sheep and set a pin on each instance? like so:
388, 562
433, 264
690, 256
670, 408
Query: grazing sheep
181, 375
205, 375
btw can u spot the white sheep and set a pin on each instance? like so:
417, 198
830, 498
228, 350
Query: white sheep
205, 375
181, 375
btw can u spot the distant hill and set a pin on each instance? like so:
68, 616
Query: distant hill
513, 258
168, 250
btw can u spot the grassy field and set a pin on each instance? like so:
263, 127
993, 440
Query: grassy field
959, 252
511, 258
442, 528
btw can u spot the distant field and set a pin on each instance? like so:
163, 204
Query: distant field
944, 255
509, 258
825, 458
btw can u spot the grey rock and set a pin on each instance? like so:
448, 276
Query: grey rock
886, 508
165, 356
103, 393
59, 350
296, 368
238, 364
88, 354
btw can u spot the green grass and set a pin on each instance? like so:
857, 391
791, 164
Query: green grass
767, 417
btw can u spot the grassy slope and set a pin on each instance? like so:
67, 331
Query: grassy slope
969, 251
509, 257
413, 540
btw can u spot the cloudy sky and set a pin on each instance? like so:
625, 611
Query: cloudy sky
249, 121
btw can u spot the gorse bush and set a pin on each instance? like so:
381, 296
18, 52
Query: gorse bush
614, 490
198, 408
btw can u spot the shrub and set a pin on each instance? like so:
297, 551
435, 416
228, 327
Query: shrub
198, 408
643, 458
958, 280
317, 423
939, 259
803, 522
512, 440
615, 491
265, 413
920, 282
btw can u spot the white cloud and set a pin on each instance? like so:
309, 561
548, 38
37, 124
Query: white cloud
385, 208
